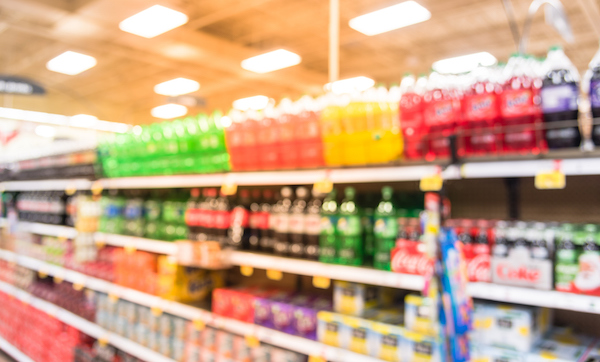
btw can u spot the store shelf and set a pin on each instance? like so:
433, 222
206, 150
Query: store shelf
47, 229
46, 185
153, 246
13, 351
263, 334
84, 326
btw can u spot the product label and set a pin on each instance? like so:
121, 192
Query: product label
239, 217
527, 273
409, 258
221, 219
259, 220
297, 223
559, 98
517, 102
441, 112
386, 227
312, 224
481, 107
328, 224
595, 93
349, 225
283, 223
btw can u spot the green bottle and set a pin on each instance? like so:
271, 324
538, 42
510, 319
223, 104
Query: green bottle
368, 220
386, 229
567, 256
350, 249
329, 214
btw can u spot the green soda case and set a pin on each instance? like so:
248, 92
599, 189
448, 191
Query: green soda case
567, 255
327, 238
385, 229
349, 242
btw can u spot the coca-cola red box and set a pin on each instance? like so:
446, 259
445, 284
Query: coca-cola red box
408, 257
519, 269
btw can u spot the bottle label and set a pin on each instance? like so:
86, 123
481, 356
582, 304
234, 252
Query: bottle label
349, 225
559, 98
386, 227
273, 221
481, 107
239, 217
441, 112
297, 223
221, 219
259, 220
283, 223
517, 102
595, 93
312, 224
328, 224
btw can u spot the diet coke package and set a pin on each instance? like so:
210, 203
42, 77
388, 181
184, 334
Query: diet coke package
522, 255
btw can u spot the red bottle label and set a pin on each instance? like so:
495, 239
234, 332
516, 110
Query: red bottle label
441, 112
517, 102
408, 257
480, 107
477, 258
259, 220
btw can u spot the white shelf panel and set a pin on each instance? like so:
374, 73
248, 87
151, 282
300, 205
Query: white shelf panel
13, 351
331, 271
153, 246
85, 326
46, 185
267, 335
47, 229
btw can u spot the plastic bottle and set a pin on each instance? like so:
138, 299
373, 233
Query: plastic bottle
593, 74
329, 220
350, 248
313, 226
411, 117
385, 229
520, 107
308, 133
239, 231
288, 148
481, 109
560, 92
269, 140
356, 135
332, 130
282, 228
234, 135
442, 113
567, 257
297, 224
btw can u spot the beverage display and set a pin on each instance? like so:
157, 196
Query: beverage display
82, 164
385, 229
47, 207
349, 242
592, 78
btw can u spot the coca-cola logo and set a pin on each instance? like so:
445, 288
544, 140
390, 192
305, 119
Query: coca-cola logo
411, 263
478, 268
519, 273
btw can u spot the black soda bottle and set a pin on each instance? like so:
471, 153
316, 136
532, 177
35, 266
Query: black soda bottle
297, 226
282, 228
239, 232
312, 226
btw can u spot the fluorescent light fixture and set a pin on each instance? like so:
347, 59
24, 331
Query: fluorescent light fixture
45, 131
168, 111
350, 85
79, 121
226, 121
177, 87
251, 103
390, 18
71, 63
153, 21
268, 62
464, 63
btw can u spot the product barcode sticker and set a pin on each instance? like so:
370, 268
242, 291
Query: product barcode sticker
274, 274
246, 270
553, 180
321, 282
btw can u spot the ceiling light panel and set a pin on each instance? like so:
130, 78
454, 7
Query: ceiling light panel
169, 111
251, 103
177, 87
153, 21
71, 63
350, 85
390, 18
464, 63
271, 61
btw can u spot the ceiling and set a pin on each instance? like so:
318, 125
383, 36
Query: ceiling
220, 34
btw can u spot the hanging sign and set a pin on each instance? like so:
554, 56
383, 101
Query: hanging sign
19, 85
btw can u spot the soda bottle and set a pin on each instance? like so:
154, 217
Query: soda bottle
356, 130
411, 116
560, 91
567, 257
219, 160
234, 135
520, 107
312, 226
442, 113
308, 132
350, 248
368, 222
517, 240
501, 245
221, 215
289, 152
328, 234
282, 228
297, 226
133, 214
152, 214
268, 243
192, 214
481, 110
539, 244
593, 74
207, 218
332, 130
254, 220
239, 232
268, 137
385, 229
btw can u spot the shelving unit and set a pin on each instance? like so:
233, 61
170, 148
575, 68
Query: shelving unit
468, 170
263, 334
13, 351
83, 325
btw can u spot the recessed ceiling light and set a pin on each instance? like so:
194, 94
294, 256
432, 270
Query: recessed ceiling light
45, 131
176, 87
168, 111
464, 63
390, 18
251, 103
268, 62
71, 63
153, 21
350, 85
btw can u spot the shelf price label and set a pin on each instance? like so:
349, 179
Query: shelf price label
70, 189
113, 297
316, 359
156, 311
58, 279
246, 270
78, 286
100, 240
103, 341
130, 249
252, 341
274, 274
433, 182
96, 188
229, 186
199, 325
553, 180
324, 186
321, 282
42, 273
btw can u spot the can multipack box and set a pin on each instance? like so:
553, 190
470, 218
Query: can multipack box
561, 345
419, 314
